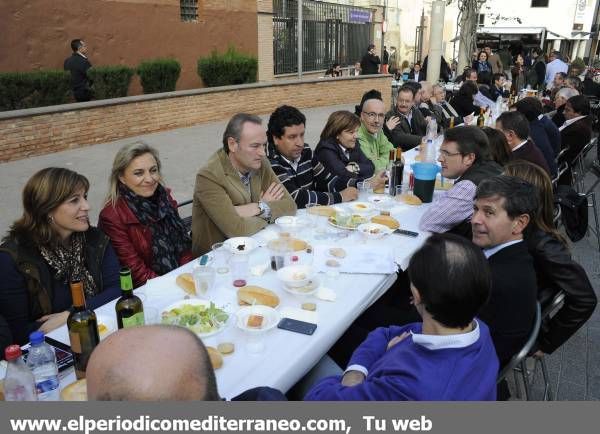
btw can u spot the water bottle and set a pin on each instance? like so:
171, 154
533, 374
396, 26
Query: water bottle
430, 152
432, 129
19, 384
42, 362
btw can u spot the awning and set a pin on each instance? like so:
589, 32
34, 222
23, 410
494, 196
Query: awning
554, 35
511, 30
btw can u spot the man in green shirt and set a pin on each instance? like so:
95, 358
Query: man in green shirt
373, 141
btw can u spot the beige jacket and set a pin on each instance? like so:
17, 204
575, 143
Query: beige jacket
218, 190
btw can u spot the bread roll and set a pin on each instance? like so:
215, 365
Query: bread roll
186, 281
325, 211
410, 199
386, 220
76, 391
216, 359
379, 190
256, 295
293, 243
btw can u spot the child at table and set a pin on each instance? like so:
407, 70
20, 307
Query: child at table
449, 356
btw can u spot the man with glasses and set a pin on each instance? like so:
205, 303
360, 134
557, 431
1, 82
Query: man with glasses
405, 124
373, 141
237, 193
465, 157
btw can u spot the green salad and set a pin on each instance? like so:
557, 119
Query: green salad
197, 318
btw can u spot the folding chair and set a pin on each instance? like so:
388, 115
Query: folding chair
517, 362
578, 166
187, 221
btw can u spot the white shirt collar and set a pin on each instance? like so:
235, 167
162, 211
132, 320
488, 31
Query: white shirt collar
569, 122
294, 164
82, 55
519, 146
540, 117
493, 250
346, 151
439, 342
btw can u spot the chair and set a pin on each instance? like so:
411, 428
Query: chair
562, 169
187, 221
517, 362
578, 166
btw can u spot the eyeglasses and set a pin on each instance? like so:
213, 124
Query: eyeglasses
372, 115
446, 154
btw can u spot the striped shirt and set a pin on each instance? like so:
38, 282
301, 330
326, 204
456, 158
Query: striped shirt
451, 209
309, 182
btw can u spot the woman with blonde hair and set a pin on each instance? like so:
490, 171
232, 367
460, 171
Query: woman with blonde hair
141, 218
50, 245
555, 268
339, 150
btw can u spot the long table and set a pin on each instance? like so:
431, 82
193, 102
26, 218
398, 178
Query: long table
287, 356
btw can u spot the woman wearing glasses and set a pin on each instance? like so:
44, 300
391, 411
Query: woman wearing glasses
140, 216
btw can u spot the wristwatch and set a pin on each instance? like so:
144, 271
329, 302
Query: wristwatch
265, 210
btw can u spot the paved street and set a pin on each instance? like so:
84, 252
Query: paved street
575, 368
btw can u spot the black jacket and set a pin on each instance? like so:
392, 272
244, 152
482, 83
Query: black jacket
404, 135
331, 156
80, 83
559, 117
369, 64
557, 271
5, 335
29, 288
464, 105
510, 310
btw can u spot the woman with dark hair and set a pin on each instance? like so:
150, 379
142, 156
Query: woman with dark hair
141, 218
463, 101
339, 150
50, 245
334, 71
555, 268
500, 152
482, 64
518, 74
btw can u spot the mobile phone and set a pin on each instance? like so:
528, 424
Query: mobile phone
64, 357
407, 233
293, 325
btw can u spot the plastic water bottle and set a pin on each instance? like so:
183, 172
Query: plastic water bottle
432, 129
430, 152
18, 382
42, 362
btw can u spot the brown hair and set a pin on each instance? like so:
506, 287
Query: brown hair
538, 177
339, 121
43, 193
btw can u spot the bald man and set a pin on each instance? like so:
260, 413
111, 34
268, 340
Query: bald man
151, 363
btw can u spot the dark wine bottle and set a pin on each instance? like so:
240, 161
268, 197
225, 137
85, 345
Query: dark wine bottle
129, 308
83, 329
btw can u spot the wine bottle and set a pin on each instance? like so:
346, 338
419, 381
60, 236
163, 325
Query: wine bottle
451, 122
396, 172
83, 329
481, 118
129, 308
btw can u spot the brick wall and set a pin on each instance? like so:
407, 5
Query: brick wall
25, 133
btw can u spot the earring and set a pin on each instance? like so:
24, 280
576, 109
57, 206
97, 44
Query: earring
50, 219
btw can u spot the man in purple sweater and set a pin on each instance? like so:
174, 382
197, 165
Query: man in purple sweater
449, 356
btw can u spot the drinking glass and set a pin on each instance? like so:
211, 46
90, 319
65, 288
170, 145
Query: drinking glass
204, 279
221, 255
239, 269
151, 315
364, 188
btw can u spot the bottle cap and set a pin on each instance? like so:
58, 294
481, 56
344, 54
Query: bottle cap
12, 352
36, 337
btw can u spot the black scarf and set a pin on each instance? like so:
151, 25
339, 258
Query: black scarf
169, 235
69, 262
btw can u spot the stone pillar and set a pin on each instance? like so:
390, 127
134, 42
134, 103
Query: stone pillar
436, 35
264, 9
556, 45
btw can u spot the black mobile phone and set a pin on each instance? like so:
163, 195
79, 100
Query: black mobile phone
293, 325
64, 357
405, 232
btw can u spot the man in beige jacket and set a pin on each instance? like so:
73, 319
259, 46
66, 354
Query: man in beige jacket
237, 194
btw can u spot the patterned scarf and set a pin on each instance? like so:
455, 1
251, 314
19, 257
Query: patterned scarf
69, 263
169, 235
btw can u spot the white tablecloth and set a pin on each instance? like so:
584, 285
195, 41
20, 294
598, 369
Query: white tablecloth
287, 356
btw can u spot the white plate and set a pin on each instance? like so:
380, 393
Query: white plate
110, 323
379, 198
350, 228
234, 245
287, 223
310, 289
270, 316
198, 302
286, 275
367, 228
360, 207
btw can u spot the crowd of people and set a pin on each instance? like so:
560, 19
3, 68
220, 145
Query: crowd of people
463, 307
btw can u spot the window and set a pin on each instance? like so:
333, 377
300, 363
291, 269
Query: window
189, 10
481, 20
539, 3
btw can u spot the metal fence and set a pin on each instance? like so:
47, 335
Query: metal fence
332, 33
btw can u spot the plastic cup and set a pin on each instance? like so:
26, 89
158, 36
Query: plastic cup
239, 266
425, 174
204, 279
220, 254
